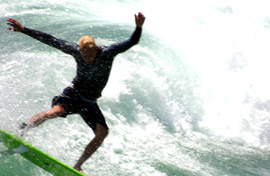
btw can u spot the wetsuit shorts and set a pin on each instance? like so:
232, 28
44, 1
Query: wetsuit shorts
74, 103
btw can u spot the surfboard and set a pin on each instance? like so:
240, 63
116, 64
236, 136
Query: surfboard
36, 156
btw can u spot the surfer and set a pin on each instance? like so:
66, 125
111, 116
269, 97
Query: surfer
93, 69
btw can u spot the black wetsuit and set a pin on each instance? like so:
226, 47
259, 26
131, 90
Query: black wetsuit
90, 79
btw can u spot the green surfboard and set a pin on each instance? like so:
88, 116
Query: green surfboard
36, 156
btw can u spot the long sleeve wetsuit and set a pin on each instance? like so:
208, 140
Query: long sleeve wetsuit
90, 79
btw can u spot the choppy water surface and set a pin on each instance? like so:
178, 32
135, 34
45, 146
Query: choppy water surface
192, 98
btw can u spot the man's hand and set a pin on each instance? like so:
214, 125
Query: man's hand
139, 19
15, 25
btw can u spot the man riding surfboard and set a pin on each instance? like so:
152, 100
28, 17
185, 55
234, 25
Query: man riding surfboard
94, 64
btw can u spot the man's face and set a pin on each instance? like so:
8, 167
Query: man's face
87, 45
88, 49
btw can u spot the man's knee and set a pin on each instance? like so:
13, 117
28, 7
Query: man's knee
55, 111
101, 132
105, 133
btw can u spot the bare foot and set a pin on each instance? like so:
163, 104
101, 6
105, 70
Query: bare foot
79, 169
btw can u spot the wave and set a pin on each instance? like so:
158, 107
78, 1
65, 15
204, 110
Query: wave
190, 99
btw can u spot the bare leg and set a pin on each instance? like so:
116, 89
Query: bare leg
100, 134
39, 118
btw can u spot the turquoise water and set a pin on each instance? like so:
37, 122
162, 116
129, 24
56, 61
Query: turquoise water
192, 99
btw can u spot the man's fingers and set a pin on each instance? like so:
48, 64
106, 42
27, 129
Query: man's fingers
11, 24
141, 15
15, 26
11, 20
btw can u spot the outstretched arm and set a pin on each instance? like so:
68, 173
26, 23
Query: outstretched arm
62, 45
133, 40
139, 20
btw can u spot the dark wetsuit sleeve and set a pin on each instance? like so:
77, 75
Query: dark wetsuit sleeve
125, 45
66, 47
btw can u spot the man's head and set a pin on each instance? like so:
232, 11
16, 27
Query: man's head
88, 48
87, 43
